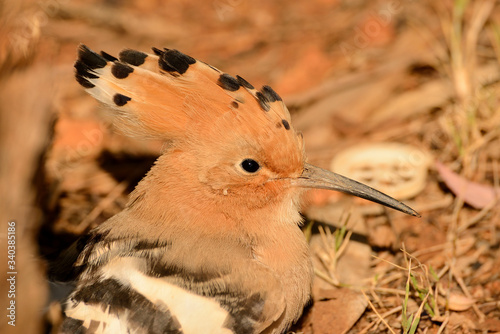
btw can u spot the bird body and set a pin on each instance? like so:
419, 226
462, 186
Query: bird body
210, 240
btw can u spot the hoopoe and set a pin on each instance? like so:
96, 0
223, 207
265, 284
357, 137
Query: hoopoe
210, 240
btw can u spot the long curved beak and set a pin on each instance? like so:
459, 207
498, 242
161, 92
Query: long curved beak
315, 177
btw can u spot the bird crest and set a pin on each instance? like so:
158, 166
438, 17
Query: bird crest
171, 96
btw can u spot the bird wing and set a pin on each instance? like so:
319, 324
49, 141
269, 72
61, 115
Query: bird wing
129, 285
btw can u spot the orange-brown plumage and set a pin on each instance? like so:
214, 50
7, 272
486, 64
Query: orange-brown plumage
218, 214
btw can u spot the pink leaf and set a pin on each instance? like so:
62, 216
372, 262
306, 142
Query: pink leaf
475, 194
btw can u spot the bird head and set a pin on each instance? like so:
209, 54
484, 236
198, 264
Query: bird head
228, 141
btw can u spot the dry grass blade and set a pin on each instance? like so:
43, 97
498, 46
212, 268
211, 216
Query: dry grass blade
333, 246
381, 318
444, 324
465, 290
481, 11
395, 310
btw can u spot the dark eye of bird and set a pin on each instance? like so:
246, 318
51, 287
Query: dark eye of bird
250, 165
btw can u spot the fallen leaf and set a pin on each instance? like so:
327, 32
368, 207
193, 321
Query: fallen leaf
339, 313
457, 302
476, 195
461, 319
